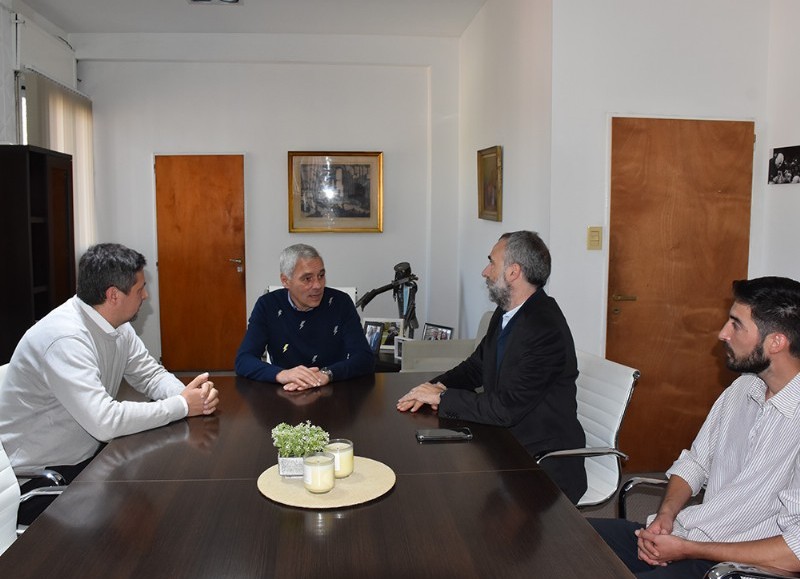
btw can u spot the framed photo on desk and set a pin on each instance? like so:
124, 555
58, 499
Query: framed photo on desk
436, 332
373, 331
398, 347
390, 329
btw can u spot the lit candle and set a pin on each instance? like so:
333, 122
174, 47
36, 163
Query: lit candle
342, 451
318, 472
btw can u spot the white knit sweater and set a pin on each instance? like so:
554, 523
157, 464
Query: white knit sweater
58, 398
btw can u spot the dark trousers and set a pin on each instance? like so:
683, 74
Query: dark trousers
33, 507
618, 533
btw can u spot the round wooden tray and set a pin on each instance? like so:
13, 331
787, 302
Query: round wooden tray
370, 480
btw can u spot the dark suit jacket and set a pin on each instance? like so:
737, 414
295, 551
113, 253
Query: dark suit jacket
532, 392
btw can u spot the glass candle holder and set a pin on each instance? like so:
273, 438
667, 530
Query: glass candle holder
342, 451
318, 474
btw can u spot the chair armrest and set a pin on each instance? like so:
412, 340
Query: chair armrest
596, 451
730, 570
54, 477
628, 486
41, 491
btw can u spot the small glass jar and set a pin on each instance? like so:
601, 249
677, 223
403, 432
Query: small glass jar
318, 474
342, 451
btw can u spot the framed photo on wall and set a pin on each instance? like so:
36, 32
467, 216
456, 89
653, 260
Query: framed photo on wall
436, 332
390, 328
335, 191
490, 183
784, 166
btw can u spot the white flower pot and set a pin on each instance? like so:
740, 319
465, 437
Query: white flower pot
291, 466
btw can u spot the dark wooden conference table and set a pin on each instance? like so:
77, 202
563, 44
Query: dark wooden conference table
182, 501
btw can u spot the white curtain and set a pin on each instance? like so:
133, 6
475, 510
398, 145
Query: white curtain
56, 117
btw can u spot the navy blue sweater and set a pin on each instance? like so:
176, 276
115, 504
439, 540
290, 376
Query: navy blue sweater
329, 335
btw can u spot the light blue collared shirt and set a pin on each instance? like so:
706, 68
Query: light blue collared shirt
510, 314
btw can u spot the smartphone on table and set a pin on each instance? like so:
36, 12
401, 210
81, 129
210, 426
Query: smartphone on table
444, 434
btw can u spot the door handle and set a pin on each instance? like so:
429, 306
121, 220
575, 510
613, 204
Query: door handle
239, 263
621, 298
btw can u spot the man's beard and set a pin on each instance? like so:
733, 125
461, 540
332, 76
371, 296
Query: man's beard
755, 363
499, 293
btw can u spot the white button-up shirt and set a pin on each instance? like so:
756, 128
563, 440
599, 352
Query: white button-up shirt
747, 455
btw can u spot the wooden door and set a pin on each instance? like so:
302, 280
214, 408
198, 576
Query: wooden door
201, 279
679, 235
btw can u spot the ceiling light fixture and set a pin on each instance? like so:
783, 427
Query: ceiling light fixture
217, 2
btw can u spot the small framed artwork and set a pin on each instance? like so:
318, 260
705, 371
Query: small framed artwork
436, 332
373, 331
490, 184
390, 329
335, 191
784, 166
398, 347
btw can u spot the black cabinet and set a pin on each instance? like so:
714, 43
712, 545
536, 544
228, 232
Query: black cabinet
37, 254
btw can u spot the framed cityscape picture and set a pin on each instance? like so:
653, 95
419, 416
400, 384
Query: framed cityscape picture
335, 191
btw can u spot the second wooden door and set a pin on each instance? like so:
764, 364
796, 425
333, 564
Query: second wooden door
679, 235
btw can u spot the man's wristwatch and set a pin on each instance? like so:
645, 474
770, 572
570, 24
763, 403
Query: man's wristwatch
328, 373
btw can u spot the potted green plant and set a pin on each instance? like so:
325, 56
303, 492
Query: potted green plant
294, 442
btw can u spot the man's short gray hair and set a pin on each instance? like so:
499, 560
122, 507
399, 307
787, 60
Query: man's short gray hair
291, 254
528, 250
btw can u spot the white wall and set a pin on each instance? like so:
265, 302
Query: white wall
173, 94
505, 92
781, 202
8, 126
686, 58
698, 59
41, 49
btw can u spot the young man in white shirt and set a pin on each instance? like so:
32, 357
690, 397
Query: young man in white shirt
58, 400
746, 455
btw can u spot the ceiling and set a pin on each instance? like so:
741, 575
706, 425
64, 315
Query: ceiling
448, 18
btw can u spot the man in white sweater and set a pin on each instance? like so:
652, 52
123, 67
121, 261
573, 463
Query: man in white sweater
58, 400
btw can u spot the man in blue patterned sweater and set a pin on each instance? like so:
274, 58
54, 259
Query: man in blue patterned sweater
312, 333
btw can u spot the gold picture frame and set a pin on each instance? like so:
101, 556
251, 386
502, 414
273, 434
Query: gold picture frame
490, 183
335, 191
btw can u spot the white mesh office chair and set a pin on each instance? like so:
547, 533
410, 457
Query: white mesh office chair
730, 570
10, 495
9, 502
604, 390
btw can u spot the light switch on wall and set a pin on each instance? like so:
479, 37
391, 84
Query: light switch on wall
594, 237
